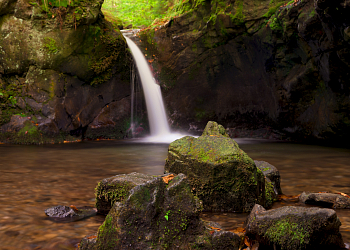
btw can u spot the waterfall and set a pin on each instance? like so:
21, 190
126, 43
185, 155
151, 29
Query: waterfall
158, 123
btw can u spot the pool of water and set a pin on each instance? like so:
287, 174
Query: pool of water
34, 178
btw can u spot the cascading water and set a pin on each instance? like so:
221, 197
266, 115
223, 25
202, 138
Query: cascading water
158, 123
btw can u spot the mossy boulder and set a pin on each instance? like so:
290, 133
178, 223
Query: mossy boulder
116, 189
294, 228
159, 214
222, 175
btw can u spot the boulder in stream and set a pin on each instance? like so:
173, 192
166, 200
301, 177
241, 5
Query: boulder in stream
292, 228
326, 199
222, 175
159, 214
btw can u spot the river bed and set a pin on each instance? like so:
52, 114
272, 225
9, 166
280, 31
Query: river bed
34, 178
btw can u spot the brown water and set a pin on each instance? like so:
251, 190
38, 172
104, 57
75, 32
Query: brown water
33, 178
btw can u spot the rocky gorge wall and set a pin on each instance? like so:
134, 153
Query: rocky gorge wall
252, 63
63, 69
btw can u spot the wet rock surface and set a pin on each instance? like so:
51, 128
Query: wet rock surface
116, 189
165, 214
272, 173
325, 199
294, 228
69, 214
222, 175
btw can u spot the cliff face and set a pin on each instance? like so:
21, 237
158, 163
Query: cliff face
257, 63
61, 66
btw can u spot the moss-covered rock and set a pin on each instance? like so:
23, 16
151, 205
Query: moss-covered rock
60, 61
159, 214
222, 175
116, 189
294, 228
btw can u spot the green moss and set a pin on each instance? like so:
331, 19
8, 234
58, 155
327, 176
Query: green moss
238, 17
142, 197
110, 52
50, 45
297, 234
107, 236
275, 24
114, 192
269, 194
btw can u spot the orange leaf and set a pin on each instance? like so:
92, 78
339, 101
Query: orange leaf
246, 241
216, 228
92, 237
74, 207
343, 194
168, 178
211, 232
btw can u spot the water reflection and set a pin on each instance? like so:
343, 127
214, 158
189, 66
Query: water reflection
34, 178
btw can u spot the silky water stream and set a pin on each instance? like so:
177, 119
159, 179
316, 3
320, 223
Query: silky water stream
33, 178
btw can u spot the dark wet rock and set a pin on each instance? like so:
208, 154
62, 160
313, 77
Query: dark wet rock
160, 215
67, 214
272, 173
16, 123
293, 228
222, 175
116, 189
325, 199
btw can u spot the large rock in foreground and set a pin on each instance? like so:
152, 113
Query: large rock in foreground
159, 214
294, 228
223, 176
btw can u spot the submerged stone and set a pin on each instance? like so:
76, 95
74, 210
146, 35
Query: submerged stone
116, 189
222, 175
293, 228
159, 214
68, 214
325, 199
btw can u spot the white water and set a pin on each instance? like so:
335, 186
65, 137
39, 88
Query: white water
158, 123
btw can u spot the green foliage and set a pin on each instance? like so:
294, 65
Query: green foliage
136, 12
166, 216
239, 17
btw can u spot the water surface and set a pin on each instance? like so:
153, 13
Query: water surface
34, 178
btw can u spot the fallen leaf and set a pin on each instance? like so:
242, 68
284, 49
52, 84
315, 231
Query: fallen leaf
211, 232
92, 237
246, 241
168, 178
343, 194
216, 228
288, 197
74, 208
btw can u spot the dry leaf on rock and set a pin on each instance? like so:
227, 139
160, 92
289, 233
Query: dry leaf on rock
168, 178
